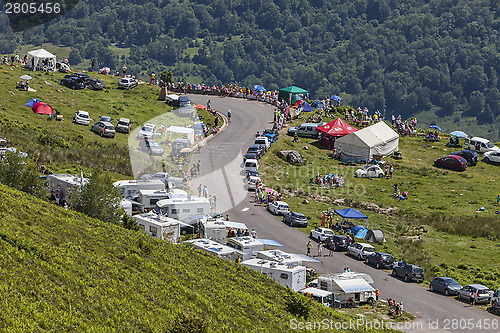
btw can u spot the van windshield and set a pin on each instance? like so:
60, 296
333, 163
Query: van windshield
489, 145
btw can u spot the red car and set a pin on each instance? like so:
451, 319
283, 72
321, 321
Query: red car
452, 162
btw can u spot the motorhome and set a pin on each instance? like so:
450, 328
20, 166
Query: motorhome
321, 296
63, 184
215, 248
248, 245
293, 276
149, 198
279, 256
181, 208
217, 228
348, 287
129, 189
159, 226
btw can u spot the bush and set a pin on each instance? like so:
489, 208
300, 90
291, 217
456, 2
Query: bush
186, 324
298, 305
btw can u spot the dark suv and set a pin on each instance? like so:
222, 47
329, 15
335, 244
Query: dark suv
470, 156
73, 83
337, 242
409, 272
380, 260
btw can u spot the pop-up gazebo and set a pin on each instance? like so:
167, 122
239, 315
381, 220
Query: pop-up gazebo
292, 94
351, 213
34, 57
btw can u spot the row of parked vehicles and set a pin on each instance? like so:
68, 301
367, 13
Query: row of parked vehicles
460, 160
81, 81
104, 127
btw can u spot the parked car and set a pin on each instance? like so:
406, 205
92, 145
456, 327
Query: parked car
278, 208
295, 219
263, 141
95, 84
147, 131
123, 125
380, 260
81, 117
250, 156
452, 162
257, 150
337, 242
370, 171
445, 285
105, 118
321, 234
360, 250
127, 83
492, 156
305, 130
480, 293
72, 83
470, 156
103, 128
271, 134
480, 145
409, 272
150, 147
251, 182
251, 165
81, 76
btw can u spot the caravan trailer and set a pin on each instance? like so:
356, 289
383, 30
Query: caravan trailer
279, 256
348, 287
248, 245
181, 208
159, 226
293, 276
321, 296
149, 198
213, 229
64, 184
220, 250
129, 189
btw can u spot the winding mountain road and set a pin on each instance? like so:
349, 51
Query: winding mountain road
221, 171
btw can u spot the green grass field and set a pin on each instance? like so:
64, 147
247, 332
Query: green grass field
439, 226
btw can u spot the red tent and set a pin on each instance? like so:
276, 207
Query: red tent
42, 108
335, 129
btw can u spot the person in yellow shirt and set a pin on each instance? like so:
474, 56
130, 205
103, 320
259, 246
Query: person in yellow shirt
153, 76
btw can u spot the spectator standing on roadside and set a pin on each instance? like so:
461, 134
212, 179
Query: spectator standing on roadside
124, 70
309, 245
320, 249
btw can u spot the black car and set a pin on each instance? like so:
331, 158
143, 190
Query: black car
295, 219
470, 156
380, 260
72, 83
409, 272
80, 76
256, 149
250, 156
95, 84
337, 242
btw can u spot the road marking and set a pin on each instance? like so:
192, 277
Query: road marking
245, 209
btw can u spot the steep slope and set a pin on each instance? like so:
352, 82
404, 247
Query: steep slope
61, 271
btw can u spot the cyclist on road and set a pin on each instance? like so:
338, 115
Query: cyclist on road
229, 115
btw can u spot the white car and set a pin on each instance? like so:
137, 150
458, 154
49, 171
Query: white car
370, 171
81, 117
492, 156
251, 182
251, 165
360, 250
278, 208
128, 83
321, 234
262, 141
147, 131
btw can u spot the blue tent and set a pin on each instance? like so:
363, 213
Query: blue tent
361, 233
258, 87
306, 107
32, 102
336, 98
351, 213
317, 104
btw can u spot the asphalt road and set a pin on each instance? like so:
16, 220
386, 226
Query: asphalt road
221, 171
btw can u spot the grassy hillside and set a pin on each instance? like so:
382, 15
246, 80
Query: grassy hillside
61, 271
439, 226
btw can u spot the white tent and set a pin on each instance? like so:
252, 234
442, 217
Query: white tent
375, 139
34, 57
185, 133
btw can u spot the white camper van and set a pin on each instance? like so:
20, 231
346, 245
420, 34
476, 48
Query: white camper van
158, 226
220, 250
129, 189
64, 184
246, 244
149, 198
293, 276
182, 208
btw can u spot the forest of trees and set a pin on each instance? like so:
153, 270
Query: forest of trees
402, 56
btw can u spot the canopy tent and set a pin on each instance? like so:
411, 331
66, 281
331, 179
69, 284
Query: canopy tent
292, 94
374, 236
336, 128
32, 102
42, 108
351, 213
258, 87
187, 133
363, 144
35, 56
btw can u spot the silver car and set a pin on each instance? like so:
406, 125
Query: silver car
123, 125
127, 83
480, 293
103, 128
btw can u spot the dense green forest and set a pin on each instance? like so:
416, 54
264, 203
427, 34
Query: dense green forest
397, 56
